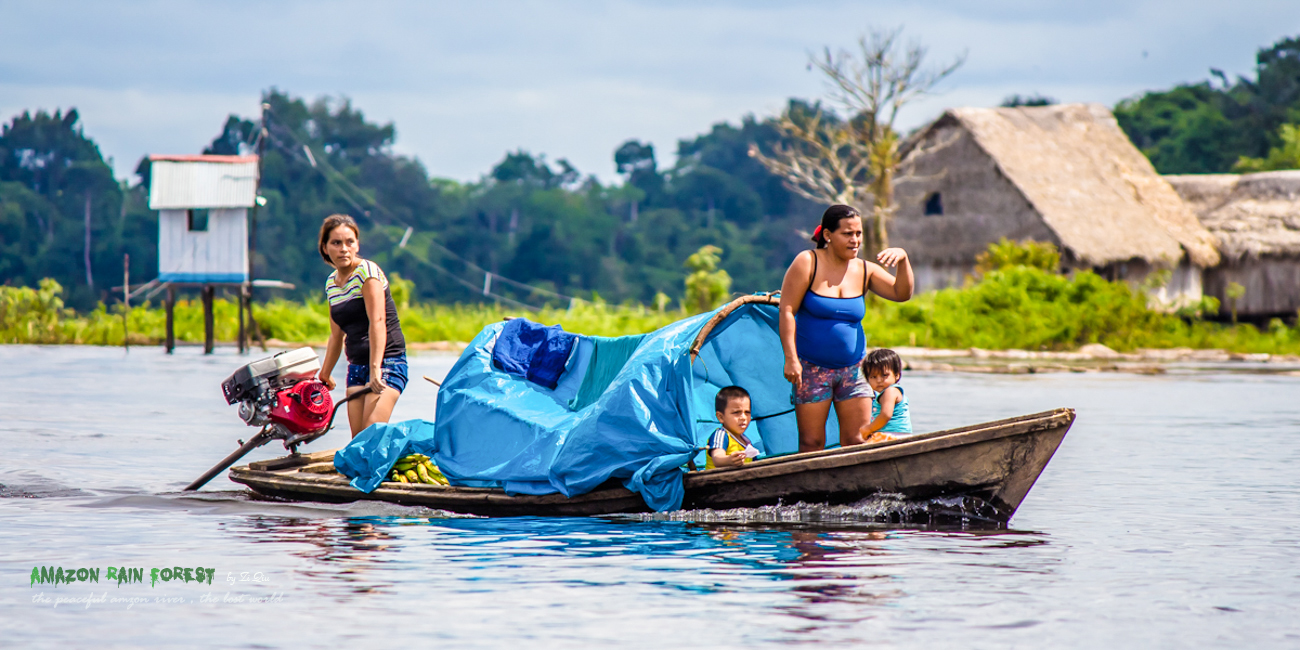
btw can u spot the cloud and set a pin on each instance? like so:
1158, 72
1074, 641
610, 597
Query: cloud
465, 83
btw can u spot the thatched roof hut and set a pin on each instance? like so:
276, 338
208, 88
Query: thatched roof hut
1256, 218
1252, 215
1065, 174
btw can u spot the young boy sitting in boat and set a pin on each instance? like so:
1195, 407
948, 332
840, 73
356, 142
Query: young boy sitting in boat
890, 414
728, 446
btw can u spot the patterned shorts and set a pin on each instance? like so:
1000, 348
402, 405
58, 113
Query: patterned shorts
836, 384
393, 373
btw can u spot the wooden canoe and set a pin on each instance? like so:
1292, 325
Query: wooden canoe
994, 464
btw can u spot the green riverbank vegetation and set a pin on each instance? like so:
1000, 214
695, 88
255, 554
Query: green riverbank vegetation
1016, 300
1019, 300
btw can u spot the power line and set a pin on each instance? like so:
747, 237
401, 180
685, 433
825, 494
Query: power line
466, 283
338, 180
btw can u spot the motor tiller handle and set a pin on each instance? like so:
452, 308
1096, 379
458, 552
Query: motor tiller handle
260, 439
253, 443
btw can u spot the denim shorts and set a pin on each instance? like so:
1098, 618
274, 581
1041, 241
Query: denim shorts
393, 374
836, 384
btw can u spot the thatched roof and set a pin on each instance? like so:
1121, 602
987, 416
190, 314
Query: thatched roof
1251, 214
1091, 186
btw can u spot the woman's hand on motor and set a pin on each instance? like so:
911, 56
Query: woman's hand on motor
794, 373
891, 257
377, 384
327, 380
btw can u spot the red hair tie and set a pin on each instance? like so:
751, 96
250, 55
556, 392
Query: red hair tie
817, 234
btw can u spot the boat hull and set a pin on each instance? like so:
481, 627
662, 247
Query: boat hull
996, 463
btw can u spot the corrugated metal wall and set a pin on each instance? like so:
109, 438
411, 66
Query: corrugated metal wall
219, 254
175, 185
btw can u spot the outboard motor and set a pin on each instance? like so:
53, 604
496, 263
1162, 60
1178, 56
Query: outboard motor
282, 395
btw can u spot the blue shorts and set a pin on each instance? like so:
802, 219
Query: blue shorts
393, 374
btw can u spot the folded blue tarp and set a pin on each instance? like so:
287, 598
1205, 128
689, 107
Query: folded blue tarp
532, 351
632, 409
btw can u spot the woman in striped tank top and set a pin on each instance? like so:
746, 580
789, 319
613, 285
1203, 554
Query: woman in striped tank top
363, 322
821, 311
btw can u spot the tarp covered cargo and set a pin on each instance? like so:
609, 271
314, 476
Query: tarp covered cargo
633, 409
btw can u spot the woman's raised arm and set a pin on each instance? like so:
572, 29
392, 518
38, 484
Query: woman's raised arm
886, 285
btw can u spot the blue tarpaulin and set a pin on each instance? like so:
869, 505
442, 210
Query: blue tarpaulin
632, 409
370, 455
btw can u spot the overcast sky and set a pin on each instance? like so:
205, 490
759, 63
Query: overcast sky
466, 82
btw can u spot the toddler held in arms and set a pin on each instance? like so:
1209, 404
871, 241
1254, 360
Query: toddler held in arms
889, 410
728, 446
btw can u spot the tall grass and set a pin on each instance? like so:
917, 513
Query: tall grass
37, 315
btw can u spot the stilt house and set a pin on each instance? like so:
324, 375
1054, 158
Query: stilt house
202, 204
1256, 218
1064, 174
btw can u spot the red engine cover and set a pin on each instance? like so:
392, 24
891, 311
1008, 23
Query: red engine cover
304, 407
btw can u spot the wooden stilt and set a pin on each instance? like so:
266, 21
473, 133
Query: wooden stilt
208, 324
243, 335
252, 323
170, 342
126, 302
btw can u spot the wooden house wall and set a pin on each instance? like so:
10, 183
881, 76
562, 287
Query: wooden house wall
219, 254
1272, 284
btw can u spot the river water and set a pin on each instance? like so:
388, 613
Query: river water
1170, 517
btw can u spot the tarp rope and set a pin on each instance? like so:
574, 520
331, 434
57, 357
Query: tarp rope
755, 419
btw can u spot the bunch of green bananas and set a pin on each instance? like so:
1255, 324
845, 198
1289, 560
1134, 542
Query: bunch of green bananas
417, 468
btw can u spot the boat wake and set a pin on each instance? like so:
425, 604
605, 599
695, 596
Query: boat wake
241, 502
28, 485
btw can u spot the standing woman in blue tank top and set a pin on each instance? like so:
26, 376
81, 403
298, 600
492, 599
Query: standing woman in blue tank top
363, 324
823, 302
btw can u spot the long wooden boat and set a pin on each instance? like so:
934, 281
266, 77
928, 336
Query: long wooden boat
995, 463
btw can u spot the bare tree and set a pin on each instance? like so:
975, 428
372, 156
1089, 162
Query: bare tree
854, 161
820, 158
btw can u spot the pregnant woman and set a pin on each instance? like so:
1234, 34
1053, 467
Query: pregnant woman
363, 320
822, 306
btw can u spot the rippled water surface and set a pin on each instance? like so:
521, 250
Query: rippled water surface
1170, 517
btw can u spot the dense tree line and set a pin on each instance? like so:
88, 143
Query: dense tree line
1207, 127
63, 215
540, 223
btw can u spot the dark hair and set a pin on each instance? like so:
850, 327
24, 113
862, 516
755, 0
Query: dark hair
331, 222
726, 395
831, 219
882, 359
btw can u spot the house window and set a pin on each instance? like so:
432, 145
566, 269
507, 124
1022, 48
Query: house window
197, 219
934, 204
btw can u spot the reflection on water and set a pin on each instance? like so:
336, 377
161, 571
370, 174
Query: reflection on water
839, 573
